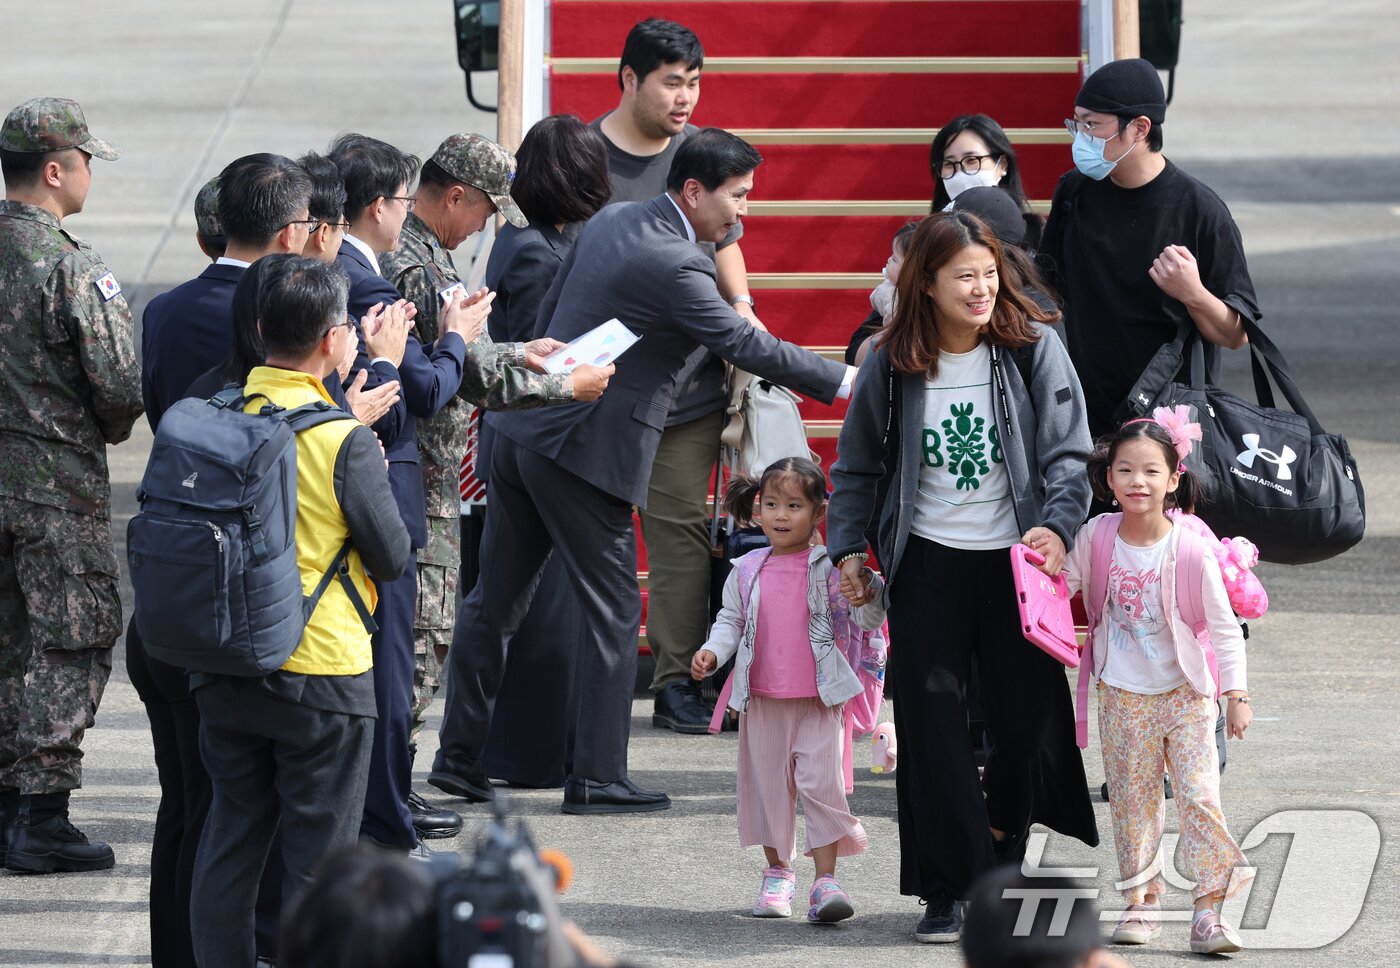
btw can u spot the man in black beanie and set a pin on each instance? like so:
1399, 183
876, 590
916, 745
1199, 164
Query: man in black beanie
1135, 246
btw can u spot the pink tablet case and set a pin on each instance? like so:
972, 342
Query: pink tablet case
1046, 620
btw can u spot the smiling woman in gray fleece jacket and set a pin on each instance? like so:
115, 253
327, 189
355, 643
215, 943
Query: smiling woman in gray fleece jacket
972, 410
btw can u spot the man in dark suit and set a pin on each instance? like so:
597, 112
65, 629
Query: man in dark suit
377, 177
186, 331
566, 478
260, 202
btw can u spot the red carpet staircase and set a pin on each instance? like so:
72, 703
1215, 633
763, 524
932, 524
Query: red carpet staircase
842, 97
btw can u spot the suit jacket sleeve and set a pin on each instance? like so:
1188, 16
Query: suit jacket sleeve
362, 488
702, 313
429, 376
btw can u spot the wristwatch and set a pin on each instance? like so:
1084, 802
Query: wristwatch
744, 298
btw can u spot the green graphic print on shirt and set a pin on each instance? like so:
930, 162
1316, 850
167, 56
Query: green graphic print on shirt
967, 456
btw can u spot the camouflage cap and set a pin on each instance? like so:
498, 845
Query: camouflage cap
483, 164
206, 210
44, 124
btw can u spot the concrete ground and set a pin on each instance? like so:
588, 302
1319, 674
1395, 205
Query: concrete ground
1286, 108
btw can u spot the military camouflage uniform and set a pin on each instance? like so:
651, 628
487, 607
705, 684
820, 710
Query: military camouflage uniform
69, 385
493, 378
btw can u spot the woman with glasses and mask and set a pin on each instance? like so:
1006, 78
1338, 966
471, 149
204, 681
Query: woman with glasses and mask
973, 151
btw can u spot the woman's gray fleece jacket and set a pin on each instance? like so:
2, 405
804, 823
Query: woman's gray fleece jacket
1047, 445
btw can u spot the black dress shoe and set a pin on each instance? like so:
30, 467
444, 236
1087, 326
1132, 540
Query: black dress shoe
620, 796
680, 707
463, 780
433, 822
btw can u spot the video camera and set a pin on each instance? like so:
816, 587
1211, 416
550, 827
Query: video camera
499, 908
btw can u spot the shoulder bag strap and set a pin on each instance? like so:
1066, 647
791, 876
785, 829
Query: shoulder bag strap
1100, 558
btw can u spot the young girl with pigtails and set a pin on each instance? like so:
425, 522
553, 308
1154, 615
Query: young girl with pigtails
787, 623
1159, 669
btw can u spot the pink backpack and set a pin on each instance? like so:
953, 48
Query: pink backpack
1191, 550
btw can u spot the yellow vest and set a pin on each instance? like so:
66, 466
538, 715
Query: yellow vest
335, 642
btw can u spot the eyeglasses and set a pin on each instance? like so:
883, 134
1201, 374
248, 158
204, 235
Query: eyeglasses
408, 200
310, 223
971, 164
347, 321
1075, 126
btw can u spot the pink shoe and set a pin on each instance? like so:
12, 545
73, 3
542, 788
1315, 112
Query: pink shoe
829, 903
1210, 935
1138, 925
775, 896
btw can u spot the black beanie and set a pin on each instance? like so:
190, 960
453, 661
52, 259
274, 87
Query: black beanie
1125, 88
998, 209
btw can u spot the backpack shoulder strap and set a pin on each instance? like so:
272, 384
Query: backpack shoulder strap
1190, 562
340, 571
1100, 558
314, 414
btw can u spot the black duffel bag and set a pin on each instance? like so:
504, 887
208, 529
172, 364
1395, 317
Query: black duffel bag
1270, 475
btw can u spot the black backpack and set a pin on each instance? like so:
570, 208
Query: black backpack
212, 552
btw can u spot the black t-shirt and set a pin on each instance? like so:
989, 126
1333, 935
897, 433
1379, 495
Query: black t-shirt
636, 178
1099, 242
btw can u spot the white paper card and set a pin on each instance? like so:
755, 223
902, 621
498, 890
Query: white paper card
597, 347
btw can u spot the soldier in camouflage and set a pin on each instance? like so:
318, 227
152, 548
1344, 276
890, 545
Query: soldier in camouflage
69, 385
466, 182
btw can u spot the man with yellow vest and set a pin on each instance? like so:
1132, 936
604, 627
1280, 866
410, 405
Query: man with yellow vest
293, 747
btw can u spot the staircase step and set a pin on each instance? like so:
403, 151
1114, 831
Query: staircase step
886, 172
745, 28
846, 100
814, 317
783, 243
845, 65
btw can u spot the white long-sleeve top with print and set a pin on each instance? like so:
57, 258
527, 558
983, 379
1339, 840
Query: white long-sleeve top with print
735, 627
1221, 623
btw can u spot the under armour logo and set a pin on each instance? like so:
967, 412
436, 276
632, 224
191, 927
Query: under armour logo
1280, 461
189, 481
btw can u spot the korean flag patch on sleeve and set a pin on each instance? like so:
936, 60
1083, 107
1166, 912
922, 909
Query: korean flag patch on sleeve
109, 287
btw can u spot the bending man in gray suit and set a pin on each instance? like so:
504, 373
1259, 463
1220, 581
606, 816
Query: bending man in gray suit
566, 479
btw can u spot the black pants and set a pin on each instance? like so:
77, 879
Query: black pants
536, 507
948, 606
270, 760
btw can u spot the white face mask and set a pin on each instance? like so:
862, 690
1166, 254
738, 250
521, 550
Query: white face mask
961, 181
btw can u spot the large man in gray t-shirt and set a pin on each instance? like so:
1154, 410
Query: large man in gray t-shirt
659, 76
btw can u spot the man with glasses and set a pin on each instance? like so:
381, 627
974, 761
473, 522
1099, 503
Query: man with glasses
258, 205
293, 748
326, 208
1134, 245
262, 205
377, 177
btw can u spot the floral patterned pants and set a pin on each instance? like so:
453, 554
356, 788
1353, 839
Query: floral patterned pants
1141, 735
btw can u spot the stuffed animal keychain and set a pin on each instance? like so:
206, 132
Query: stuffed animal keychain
886, 750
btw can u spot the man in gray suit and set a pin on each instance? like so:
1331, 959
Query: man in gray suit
566, 479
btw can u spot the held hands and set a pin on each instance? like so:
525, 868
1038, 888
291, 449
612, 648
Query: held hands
1176, 273
1237, 719
537, 349
369, 405
386, 329
589, 382
703, 664
855, 581
466, 314
1047, 543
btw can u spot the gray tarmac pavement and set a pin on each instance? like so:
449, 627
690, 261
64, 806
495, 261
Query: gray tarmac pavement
1286, 108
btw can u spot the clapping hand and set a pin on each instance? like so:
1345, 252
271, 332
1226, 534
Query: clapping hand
466, 314
386, 330
369, 405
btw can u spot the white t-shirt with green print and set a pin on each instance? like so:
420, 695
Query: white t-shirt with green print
964, 490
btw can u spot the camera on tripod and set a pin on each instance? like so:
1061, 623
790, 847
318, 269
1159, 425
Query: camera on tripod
498, 909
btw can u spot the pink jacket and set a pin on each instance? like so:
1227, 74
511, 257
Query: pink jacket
1221, 623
